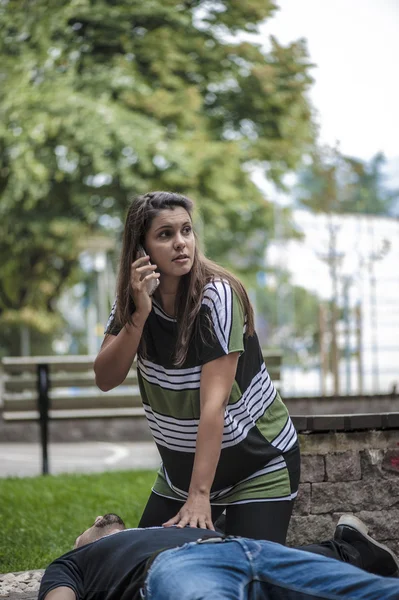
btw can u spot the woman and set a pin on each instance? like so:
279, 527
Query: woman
224, 435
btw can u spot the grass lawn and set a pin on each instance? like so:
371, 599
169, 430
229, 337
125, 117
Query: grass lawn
42, 516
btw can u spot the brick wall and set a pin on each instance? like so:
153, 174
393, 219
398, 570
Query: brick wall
356, 472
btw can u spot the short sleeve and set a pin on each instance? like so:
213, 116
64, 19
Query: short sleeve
222, 322
63, 572
112, 327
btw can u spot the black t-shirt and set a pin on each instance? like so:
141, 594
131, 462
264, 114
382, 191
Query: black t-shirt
113, 568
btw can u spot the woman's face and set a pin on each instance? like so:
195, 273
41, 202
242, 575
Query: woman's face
170, 242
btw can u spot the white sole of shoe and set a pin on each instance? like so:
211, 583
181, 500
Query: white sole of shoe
355, 523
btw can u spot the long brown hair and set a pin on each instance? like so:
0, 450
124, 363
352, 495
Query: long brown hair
140, 215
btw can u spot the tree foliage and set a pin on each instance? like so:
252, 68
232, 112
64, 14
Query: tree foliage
101, 100
289, 320
335, 183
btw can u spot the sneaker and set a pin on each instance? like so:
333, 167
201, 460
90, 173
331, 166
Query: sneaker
376, 558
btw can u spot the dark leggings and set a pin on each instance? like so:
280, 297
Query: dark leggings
266, 520
258, 520
250, 520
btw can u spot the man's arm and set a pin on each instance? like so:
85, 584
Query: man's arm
61, 593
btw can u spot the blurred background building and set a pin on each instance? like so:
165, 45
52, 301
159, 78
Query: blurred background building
352, 258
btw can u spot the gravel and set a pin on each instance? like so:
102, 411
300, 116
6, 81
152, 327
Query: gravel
20, 586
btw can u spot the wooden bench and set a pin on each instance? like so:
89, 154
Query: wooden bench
72, 392
40, 388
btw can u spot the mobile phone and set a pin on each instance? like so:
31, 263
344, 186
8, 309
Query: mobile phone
152, 284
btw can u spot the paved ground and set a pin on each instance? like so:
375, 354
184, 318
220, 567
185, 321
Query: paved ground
24, 460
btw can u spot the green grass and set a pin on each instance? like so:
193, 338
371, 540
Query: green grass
41, 517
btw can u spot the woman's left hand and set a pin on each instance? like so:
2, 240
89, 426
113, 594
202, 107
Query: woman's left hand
196, 512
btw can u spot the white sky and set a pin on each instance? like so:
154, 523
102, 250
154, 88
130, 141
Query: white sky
355, 46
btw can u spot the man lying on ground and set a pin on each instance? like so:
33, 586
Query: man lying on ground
110, 562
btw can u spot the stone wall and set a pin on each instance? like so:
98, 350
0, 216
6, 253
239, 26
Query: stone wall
356, 472
343, 405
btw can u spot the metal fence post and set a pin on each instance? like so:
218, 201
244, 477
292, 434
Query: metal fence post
43, 385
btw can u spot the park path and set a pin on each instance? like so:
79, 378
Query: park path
24, 460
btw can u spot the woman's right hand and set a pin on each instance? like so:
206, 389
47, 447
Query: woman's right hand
138, 284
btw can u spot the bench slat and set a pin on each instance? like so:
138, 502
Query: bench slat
15, 385
29, 382
27, 402
87, 413
23, 365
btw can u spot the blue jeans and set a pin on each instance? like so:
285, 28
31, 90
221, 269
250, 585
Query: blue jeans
245, 569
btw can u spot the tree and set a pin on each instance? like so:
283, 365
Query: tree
287, 319
99, 104
335, 183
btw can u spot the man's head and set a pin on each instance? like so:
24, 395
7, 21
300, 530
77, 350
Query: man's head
101, 527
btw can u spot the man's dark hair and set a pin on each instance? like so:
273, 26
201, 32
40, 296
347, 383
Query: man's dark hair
110, 519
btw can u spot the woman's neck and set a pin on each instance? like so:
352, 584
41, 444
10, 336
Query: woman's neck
166, 295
